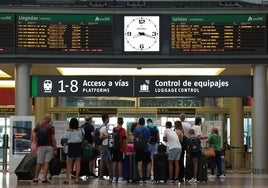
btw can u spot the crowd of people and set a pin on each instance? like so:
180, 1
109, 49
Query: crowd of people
177, 137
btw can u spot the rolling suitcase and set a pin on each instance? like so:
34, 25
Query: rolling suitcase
160, 167
189, 168
54, 167
128, 163
202, 175
26, 168
223, 164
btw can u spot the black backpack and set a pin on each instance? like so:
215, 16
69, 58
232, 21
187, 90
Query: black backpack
96, 138
139, 141
194, 147
88, 128
42, 134
153, 133
114, 145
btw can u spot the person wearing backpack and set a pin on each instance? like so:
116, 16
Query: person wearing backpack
154, 138
141, 139
89, 132
46, 147
119, 148
194, 151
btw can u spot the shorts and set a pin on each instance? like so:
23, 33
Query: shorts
117, 156
44, 154
174, 154
105, 153
153, 149
143, 156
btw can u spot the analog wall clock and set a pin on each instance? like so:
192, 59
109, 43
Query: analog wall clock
141, 33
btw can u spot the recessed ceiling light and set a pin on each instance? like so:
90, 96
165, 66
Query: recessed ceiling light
68, 71
4, 75
7, 83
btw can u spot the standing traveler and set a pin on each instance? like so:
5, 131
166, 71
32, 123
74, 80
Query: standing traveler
47, 147
105, 156
119, 148
154, 139
194, 151
89, 131
183, 140
74, 137
174, 152
141, 138
214, 140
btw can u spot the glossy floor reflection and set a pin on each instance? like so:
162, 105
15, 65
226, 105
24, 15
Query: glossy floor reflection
9, 180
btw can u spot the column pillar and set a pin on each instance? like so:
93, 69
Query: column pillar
259, 123
41, 105
22, 91
236, 133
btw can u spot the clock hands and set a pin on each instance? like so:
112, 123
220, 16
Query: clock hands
142, 34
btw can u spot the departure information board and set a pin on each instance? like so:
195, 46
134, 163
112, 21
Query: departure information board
48, 33
7, 33
226, 34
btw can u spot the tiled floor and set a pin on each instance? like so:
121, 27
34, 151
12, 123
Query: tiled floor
9, 180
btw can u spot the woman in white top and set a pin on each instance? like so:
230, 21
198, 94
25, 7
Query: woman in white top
174, 152
74, 138
197, 127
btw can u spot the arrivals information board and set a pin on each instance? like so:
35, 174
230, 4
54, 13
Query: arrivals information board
7, 33
64, 33
219, 34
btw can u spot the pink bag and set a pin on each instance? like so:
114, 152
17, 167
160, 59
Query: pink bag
130, 148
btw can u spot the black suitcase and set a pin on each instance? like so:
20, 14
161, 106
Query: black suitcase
26, 168
54, 166
202, 175
188, 171
160, 167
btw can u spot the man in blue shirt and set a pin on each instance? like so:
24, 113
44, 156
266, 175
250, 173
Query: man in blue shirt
143, 155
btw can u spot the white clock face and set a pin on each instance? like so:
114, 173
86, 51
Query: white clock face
141, 33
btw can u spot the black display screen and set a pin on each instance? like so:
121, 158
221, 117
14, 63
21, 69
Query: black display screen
7, 33
219, 34
67, 34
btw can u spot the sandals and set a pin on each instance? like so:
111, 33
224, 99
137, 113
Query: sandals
66, 182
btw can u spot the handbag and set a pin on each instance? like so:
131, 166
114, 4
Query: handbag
88, 152
209, 152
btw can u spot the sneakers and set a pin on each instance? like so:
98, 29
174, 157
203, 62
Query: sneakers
222, 176
45, 181
92, 175
35, 180
211, 176
140, 181
114, 180
170, 181
101, 178
120, 180
193, 180
147, 180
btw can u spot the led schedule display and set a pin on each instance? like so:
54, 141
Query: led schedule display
48, 33
7, 33
226, 34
